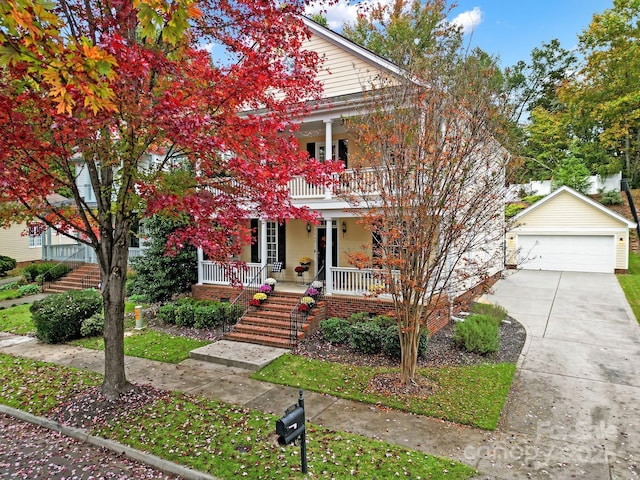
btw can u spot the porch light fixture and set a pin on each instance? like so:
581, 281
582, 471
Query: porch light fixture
344, 228
308, 229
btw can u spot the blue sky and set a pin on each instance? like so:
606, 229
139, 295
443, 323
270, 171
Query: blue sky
509, 29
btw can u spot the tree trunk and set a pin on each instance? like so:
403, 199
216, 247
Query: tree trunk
409, 348
113, 294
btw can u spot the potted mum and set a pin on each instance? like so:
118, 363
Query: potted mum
261, 297
254, 303
304, 309
265, 289
305, 261
300, 270
312, 292
307, 300
272, 282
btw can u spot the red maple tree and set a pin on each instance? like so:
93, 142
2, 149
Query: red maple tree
128, 91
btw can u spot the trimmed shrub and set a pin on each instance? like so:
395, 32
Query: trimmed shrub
359, 317
45, 272
30, 272
58, 318
199, 314
478, 334
92, 326
391, 343
137, 299
335, 330
383, 321
167, 313
495, 311
6, 264
366, 337
611, 197
185, 315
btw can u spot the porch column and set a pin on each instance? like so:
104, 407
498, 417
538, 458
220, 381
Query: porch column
263, 246
200, 266
48, 250
328, 262
328, 148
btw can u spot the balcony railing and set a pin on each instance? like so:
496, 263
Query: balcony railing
363, 182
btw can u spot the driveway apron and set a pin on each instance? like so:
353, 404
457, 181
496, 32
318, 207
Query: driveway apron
574, 410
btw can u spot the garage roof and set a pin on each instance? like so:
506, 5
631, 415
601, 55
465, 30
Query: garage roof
564, 189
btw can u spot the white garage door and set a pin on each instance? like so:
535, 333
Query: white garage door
577, 253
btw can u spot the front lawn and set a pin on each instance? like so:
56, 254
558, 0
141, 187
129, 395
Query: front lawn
471, 395
150, 344
630, 283
210, 436
17, 320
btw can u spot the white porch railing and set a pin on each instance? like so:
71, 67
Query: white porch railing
355, 281
216, 273
59, 253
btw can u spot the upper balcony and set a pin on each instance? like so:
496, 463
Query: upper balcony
350, 182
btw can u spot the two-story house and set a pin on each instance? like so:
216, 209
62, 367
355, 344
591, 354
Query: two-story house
346, 69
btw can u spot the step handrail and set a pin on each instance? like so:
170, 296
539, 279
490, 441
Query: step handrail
245, 297
296, 317
69, 262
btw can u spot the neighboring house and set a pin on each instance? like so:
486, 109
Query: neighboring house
346, 68
568, 231
17, 244
27, 243
72, 250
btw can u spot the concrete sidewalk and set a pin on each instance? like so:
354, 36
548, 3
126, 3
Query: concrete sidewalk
573, 411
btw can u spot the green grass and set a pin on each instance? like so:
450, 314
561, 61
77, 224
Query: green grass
37, 387
472, 395
9, 294
17, 320
150, 344
222, 439
630, 283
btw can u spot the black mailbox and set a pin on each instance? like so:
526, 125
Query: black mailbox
291, 426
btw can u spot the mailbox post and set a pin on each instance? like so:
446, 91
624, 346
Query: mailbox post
291, 427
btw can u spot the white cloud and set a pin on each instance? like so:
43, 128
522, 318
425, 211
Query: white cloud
336, 15
468, 20
344, 11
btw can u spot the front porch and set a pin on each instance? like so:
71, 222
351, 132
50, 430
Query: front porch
337, 281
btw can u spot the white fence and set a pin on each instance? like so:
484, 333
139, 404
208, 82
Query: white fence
543, 187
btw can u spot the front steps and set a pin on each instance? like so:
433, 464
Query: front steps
74, 280
270, 324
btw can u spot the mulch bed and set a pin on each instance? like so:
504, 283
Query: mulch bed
441, 351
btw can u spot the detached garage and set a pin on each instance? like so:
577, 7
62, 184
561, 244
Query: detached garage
568, 231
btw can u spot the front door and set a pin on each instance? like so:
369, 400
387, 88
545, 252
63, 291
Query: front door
321, 248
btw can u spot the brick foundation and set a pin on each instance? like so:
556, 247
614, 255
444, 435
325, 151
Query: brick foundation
214, 292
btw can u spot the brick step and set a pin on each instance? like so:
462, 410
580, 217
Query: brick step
257, 316
262, 331
283, 324
259, 339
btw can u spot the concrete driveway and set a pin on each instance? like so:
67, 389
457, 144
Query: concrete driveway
574, 411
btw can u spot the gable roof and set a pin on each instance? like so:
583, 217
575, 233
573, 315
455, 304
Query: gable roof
351, 47
564, 189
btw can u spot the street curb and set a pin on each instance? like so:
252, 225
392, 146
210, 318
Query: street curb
115, 447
